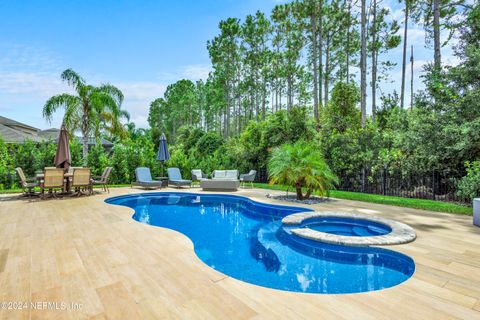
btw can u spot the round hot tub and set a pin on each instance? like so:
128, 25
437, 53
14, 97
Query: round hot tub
347, 226
349, 229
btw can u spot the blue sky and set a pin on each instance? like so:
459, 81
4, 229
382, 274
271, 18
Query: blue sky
139, 46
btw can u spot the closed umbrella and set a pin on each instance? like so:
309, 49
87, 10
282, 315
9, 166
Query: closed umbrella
63, 158
163, 154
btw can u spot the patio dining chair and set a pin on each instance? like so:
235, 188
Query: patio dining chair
27, 184
103, 179
53, 179
82, 181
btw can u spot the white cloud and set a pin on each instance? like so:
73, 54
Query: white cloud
27, 58
196, 71
41, 84
192, 72
139, 91
138, 96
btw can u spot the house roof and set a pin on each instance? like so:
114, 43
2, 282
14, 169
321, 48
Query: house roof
50, 134
10, 135
10, 122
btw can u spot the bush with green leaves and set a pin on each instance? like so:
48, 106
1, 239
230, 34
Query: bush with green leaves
301, 165
130, 154
469, 186
45, 155
6, 166
97, 159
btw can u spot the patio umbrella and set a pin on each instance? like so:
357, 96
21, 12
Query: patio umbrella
163, 154
63, 157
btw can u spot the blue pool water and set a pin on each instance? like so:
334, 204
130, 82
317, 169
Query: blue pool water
347, 226
244, 239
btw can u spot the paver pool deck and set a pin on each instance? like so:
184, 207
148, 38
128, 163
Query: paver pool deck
93, 254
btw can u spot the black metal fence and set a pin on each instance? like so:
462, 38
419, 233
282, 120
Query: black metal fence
432, 185
262, 175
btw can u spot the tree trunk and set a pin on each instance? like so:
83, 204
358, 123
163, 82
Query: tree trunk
327, 71
404, 60
85, 133
225, 112
436, 34
363, 64
374, 61
238, 115
289, 92
313, 24
320, 52
264, 102
348, 41
411, 80
308, 194
298, 190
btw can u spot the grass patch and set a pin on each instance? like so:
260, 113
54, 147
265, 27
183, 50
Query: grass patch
422, 204
18, 190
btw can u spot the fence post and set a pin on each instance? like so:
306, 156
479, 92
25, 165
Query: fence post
384, 178
363, 179
433, 184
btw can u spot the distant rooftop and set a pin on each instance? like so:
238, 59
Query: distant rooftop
10, 123
12, 131
11, 135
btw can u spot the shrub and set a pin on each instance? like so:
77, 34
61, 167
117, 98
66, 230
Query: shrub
208, 143
97, 159
6, 166
469, 186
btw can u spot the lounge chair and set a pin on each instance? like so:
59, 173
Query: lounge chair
103, 179
52, 179
175, 178
198, 175
27, 184
82, 181
144, 179
248, 177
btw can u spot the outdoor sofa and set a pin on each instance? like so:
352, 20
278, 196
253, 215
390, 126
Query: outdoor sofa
226, 180
219, 184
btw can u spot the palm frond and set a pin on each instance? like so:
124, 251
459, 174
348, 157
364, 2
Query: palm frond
112, 91
69, 102
73, 79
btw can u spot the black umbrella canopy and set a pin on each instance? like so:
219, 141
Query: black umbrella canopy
163, 154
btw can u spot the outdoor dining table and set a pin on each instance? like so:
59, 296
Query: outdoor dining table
66, 175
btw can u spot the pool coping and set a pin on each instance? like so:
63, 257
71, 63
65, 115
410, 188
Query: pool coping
400, 234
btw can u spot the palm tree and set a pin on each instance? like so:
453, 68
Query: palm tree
301, 165
91, 108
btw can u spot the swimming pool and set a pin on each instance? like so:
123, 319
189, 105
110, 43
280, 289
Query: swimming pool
244, 239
